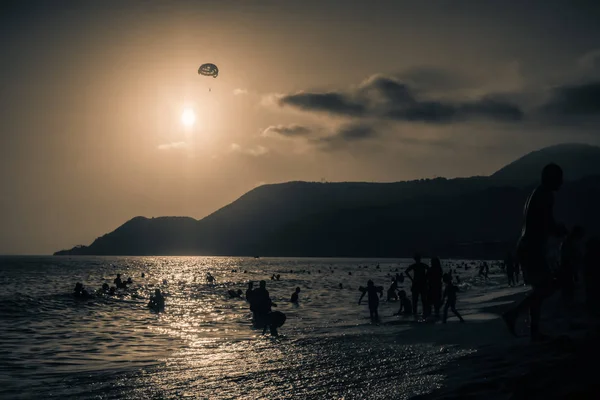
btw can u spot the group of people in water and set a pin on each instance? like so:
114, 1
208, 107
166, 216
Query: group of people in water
81, 292
426, 284
156, 303
261, 306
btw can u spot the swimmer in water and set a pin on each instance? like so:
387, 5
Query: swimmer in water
157, 302
294, 298
104, 289
233, 294
80, 291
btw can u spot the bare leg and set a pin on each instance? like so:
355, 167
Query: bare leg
533, 302
415, 299
457, 314
445, 312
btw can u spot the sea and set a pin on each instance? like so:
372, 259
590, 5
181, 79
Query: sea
203, 346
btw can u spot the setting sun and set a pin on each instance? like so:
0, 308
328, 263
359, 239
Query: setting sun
188, 118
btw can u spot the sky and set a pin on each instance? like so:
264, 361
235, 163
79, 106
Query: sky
93, 92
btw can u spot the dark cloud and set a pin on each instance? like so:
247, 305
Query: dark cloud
493, 108
356, 132
351, 134
574, 100
426, 111
345, 135
387, 89
287, 131
387, 98
334, 103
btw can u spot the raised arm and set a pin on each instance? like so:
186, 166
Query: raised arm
407, 270
361, 296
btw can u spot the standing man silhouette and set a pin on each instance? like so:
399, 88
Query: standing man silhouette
538, 226
419, 283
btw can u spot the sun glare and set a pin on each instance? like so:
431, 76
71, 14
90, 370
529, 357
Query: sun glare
188, 118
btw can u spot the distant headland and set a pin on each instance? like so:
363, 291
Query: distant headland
463, 217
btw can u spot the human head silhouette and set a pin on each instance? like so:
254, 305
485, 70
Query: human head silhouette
263, 284
552, 176
417, 257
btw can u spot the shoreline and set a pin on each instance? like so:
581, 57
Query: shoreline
504, 367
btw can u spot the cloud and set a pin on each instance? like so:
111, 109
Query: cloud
333, 103
356, 132
344, 136
173, 146
387, 98
286, 131
251, 151
239, 92
271, 100
574, 100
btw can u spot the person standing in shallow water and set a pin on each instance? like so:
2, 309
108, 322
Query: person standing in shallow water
538, 226
419, 283
372, 291
261, 304
249, 291
118, 282
405, 305
450, 296
294, 298
434, 286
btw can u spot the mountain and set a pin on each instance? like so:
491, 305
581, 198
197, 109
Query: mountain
577, 160
443, 216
